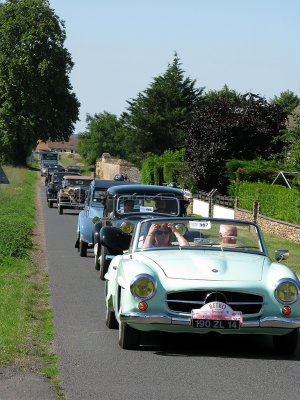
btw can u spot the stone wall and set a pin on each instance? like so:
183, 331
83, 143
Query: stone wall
107, 168
285, 230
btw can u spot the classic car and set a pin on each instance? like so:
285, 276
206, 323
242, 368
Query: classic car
124, 206
92, 213
73, 168
189, 275
50, 169
54, 184
73, 191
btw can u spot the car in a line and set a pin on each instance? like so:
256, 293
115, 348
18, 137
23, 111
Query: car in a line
54, 184
124, 206
73, 168
52, 168
92, 213
197, 279
73, 192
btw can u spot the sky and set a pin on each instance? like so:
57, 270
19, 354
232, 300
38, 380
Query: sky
119, 46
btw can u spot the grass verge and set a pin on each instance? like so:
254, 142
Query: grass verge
26, 328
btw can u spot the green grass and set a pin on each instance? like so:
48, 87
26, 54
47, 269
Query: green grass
26, 328
275, 243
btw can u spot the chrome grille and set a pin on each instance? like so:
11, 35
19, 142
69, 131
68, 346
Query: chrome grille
247, 303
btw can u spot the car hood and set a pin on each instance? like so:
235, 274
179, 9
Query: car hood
223, 265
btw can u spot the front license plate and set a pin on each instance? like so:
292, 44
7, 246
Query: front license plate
215, 324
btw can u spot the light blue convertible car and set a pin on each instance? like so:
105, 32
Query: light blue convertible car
199, 276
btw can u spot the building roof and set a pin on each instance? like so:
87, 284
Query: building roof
70, 144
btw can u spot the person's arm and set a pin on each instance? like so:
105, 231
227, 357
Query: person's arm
150, 237
181, 240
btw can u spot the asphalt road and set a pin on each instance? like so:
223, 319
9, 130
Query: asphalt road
93, 366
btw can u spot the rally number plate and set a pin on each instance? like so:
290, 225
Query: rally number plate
215, 324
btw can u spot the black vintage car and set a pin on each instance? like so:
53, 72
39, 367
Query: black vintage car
124, 206
54, 184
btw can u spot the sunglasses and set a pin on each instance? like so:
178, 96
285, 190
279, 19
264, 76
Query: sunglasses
162, 232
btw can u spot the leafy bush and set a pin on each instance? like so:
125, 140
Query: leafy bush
255, 170
276, 201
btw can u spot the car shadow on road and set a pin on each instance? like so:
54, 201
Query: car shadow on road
214, 345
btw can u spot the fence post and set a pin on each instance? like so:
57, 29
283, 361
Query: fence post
211, 195
256, 207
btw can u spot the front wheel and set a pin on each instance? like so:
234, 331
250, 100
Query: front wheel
286, 344
110, 319
129, 338
60, 209
82, 248
104, 263
97, 255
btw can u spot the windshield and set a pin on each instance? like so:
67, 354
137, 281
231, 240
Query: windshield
98, 196
196, 233
77, 182
148, 204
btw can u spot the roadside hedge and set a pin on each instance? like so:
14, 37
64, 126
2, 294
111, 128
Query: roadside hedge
276, 201
255, 170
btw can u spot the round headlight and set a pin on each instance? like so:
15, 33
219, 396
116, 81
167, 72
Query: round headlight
95, 219
143, 287
126, 227
287, 291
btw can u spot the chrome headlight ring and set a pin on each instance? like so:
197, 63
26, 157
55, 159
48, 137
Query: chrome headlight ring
286, 291
143, 287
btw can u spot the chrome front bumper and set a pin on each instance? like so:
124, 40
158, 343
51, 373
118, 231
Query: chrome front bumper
266, 322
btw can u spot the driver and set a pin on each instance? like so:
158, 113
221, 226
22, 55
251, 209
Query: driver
162, 235
229, 233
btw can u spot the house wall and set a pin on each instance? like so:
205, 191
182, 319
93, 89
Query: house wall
107, 168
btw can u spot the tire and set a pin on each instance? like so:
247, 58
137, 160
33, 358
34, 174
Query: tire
50, 204
82, 248
286, 344
97, 263
60, 209
104, 264
110, 319
129, 338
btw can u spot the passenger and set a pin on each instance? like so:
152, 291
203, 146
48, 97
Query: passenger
161, 206
128, 206
229, 233
162, 235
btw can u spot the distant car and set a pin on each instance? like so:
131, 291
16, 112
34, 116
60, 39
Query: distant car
124, 206
54, 184
52, 168
92, 213
211, 285
73, 168
72, 193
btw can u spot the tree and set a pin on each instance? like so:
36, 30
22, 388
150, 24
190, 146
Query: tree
221, 130
36, 98
225, 94
155, 117
104, 135
291, 139
287, 100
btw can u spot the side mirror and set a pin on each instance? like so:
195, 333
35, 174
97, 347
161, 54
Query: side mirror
281, 255
115, 239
